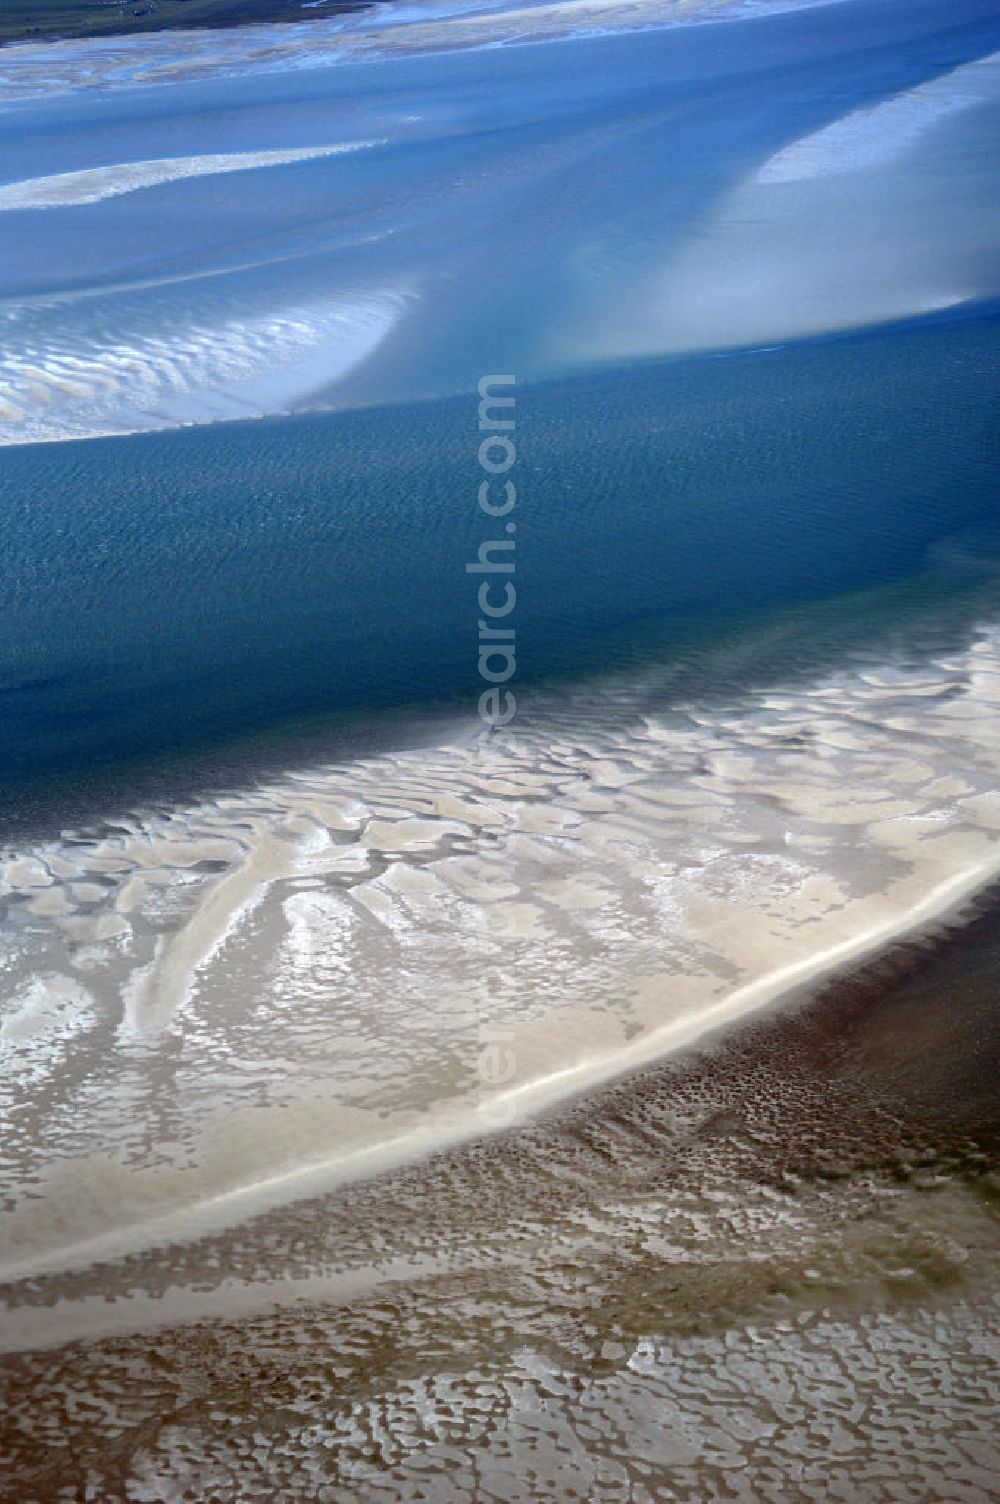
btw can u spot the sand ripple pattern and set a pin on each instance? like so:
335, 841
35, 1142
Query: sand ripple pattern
749, 1273
267, 993
122, 374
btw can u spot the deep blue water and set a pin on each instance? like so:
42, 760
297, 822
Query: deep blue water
173, 591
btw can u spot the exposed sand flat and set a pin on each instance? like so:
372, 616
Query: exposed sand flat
770, 1260
154, 996
871, 137
63, 189
305, 1002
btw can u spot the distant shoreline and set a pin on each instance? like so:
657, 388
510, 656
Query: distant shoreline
67, 20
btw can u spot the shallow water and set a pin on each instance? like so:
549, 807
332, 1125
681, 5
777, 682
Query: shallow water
379, 231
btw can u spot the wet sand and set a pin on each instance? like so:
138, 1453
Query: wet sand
224, 1007
763, 1269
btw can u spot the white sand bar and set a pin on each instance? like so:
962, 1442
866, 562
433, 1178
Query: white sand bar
60, 190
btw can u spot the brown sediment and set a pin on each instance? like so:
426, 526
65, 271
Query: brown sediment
771, 1260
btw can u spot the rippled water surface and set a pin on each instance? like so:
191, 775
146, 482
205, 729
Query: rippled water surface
174, 590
